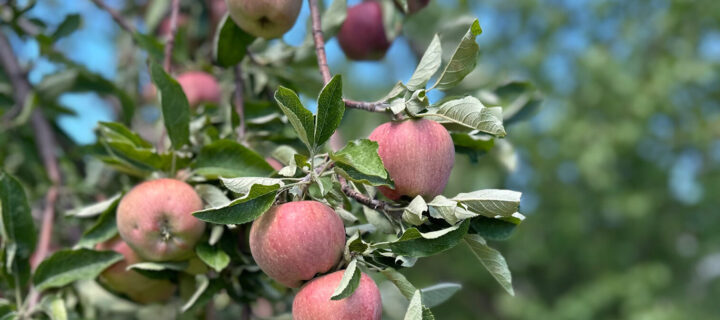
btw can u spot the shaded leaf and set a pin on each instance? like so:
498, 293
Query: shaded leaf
428, 65
67, 266
493, 261
349, 282
437, 294
463, 60
301, 119
330, 110
228, 158
491, 202
214, 257
175, 106
413, 243
230, 43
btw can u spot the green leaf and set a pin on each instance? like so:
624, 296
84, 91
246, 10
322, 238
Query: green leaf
493, 261
230, 43
17, 230
463, 60
415, 309
67, 266
353, 175
54, 307
95, 208
406, 288
492, 229
243, 185
448, 210
159, 266
212, 195
437, 294
349, 282
333, 18
104, 228
329, 111
230, 159
242, 210
476, 142
413, 213
417, 102
117, 132
206, 290
301, 119
214, 257
362, 155
414, 243
175, 106
428, 65
491, 202
378, 220
469, 112
155, 49
68, 26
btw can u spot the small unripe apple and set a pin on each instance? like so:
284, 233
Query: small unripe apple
264, 18
313, 301
155, 219
199, 87
362, 35
131, 283
418, 154
296, 240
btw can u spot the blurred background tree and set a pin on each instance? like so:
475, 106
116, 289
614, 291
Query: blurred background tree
618, 167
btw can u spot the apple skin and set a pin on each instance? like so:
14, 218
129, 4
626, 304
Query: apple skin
296, 240
274, 163
131, 283
199, 87
155, 219
313, 302
267, 19
362, 35
418, 154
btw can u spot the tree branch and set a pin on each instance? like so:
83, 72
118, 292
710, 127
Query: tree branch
46, 142
170, 41
240, 102
369, 106
115, 15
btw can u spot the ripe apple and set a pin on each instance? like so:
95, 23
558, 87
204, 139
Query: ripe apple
362, 35
418, 154
155, 219
131, 283
264, 18
199, 87
313, 301
296, 240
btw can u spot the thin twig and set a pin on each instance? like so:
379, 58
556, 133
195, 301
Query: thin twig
367, 106
46, 142
240, 102
376, 107
170, 41
115, 15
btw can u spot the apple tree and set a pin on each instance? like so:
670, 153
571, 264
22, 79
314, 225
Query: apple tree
238, 199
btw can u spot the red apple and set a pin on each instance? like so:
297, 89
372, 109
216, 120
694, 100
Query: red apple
132, 284
418, 154
296, 240
264, 18
362, 35
199, 87
155, 219
313, 301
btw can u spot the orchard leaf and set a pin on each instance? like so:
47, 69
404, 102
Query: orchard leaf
203, 293
353, 175
413, 213
398, 89
349, 282
230, 43
477, 142
437, 294
403, 5
428, 65
330, 111
54, 307
69, 25
95, 208
104, 228
17, 230
230, 159
213, 196
242, 185
202, 284
213, 256
415, 309
361, 154
301, 119
333, 18
491, 202
470, 113
155, 49
159, 266
378, 220
448, 210
493, 261
117, 132
67, 266
491, 228
175, 106
406, 288
417, 102
463, 60
414, 243
242, 210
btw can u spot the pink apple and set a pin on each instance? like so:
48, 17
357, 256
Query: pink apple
313, 301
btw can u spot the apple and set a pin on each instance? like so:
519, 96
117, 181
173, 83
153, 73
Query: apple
155, 219
199, 87
419, 155
131, 283
313, 302
362, 35
267, 19
296, 240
